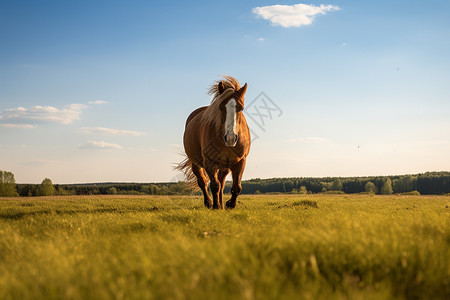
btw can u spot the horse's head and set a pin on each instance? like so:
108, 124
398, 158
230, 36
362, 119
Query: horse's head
231, 106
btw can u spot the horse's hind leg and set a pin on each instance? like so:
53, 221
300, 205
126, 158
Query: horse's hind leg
202, 183
221, 176
237, 171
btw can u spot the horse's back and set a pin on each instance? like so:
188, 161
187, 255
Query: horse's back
193, 135
195, 113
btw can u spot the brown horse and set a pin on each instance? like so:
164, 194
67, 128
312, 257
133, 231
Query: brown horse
217, 141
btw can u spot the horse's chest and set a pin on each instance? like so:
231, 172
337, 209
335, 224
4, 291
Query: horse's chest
221, 158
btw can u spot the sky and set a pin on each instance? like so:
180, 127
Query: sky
99, 91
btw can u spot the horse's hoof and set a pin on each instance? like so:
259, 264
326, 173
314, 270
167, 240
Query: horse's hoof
230, 204
218, 206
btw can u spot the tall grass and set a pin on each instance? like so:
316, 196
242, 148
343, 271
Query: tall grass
269, 247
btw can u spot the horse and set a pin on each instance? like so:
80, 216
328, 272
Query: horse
216, 141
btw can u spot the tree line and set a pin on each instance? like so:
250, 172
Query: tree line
8, 187
430, 183
170, 188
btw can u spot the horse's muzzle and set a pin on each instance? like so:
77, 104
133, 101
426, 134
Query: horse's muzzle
230, 139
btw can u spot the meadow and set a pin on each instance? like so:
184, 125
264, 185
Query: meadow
269, 247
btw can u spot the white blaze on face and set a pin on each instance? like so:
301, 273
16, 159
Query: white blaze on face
230, 121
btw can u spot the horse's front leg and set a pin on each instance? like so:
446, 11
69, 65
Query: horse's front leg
215, 187
236, 171
222, 175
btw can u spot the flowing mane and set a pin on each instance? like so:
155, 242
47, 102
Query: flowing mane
229, 82
231, 85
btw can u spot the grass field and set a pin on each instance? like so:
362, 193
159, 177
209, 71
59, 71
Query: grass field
269, 247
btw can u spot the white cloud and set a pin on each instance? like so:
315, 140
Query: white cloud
98, 102
292, 15
40, 114
259, 39
92, 145
22, 126
309, 140
110, 131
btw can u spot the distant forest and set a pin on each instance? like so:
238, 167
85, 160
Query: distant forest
431, 183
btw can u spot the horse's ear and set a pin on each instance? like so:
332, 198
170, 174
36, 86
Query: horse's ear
242, 90
221, 88
240, 97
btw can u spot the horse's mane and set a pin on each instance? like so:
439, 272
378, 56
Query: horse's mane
229, 82
212, 113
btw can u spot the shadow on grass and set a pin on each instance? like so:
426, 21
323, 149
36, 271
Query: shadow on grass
16, 215
303, 203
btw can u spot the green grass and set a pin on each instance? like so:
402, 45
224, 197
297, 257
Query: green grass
269, 247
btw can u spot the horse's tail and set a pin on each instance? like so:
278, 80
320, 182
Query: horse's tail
185, 166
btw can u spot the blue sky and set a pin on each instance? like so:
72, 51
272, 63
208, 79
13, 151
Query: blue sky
99, 91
